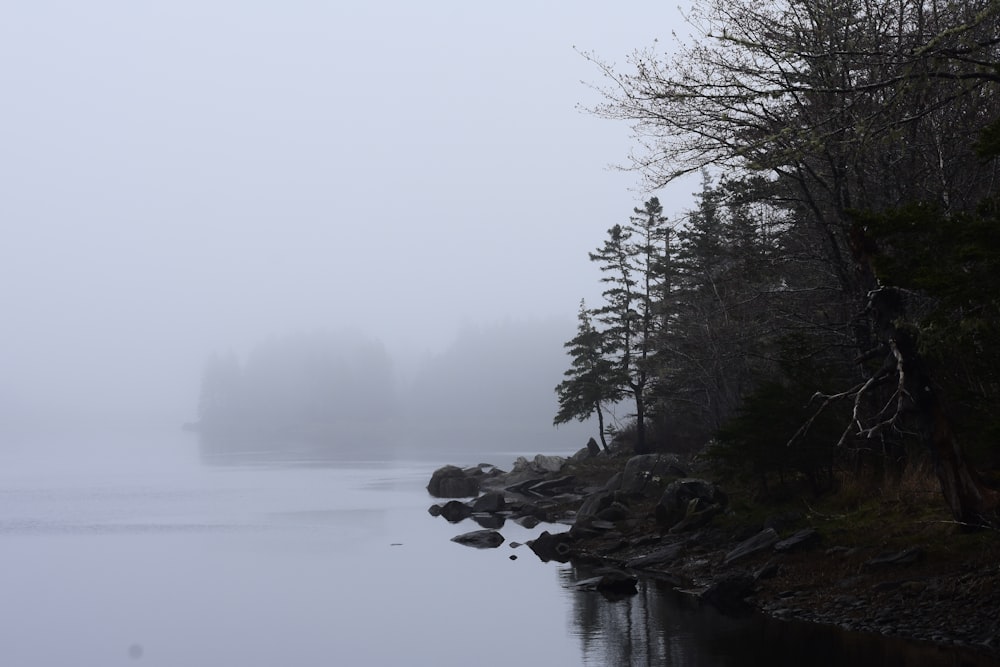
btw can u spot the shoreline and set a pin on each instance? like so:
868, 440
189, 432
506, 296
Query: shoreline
929, 582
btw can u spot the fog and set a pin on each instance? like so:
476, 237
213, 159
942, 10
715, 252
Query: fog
188, 178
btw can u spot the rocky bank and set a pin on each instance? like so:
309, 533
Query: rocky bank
657, 516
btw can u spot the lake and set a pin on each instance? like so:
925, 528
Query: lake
174, 564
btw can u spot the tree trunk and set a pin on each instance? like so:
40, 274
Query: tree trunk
600, 425
640, 421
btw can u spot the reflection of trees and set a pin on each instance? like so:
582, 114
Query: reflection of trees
660, 626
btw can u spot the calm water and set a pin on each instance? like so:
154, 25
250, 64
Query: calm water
179, 565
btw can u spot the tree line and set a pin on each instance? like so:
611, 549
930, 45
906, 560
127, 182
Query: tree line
832, 299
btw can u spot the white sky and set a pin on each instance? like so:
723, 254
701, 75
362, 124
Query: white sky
196, 175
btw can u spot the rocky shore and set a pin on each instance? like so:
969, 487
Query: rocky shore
657, 516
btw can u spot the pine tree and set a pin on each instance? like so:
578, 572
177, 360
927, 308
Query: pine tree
591, 380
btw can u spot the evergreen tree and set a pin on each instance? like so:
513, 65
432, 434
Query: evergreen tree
633, 259
592, 378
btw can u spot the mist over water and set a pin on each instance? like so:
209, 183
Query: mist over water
161, 561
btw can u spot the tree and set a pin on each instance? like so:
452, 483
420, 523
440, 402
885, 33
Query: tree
633, 264
592, 379
845, 106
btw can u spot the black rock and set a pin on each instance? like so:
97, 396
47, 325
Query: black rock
904, 557
480, 539
493, 521
552, 547
763, 540
663, 555
647, 473
804, 538
452, 482
687, 496
454, 511
490, 501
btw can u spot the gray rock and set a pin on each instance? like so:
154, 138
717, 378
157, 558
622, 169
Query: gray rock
552, 547
454, 511
490, 501
593, 447
614, 512
548, 463
540, 464
676, 502
802, 539
697, 515
614, 482
904, 557
665, 554
480, 539
762, 541
487, 520
592, 505
647, 473
550, 486
453, 482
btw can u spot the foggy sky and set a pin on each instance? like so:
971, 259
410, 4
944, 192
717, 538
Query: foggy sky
185, 177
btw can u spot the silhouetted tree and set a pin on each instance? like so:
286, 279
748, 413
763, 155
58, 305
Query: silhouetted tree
592, 380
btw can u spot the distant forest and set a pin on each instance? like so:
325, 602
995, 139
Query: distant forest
329, 394
832, 302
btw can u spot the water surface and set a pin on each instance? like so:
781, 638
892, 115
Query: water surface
183, 565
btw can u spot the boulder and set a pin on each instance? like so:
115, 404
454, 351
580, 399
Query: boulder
904, 557
663, 555
614, 512
762, 541
540, 464
549, 463
552, 547
491, 501
550, 487
593, 448
696, 516
592, 505
454, 511
453, 482
804, 538
480, 539
647, 473
676, 502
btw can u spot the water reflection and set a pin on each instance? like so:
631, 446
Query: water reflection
660, 626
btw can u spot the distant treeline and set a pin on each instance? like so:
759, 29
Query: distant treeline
339, 394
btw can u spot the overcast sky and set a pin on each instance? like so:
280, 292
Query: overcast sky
196, 175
